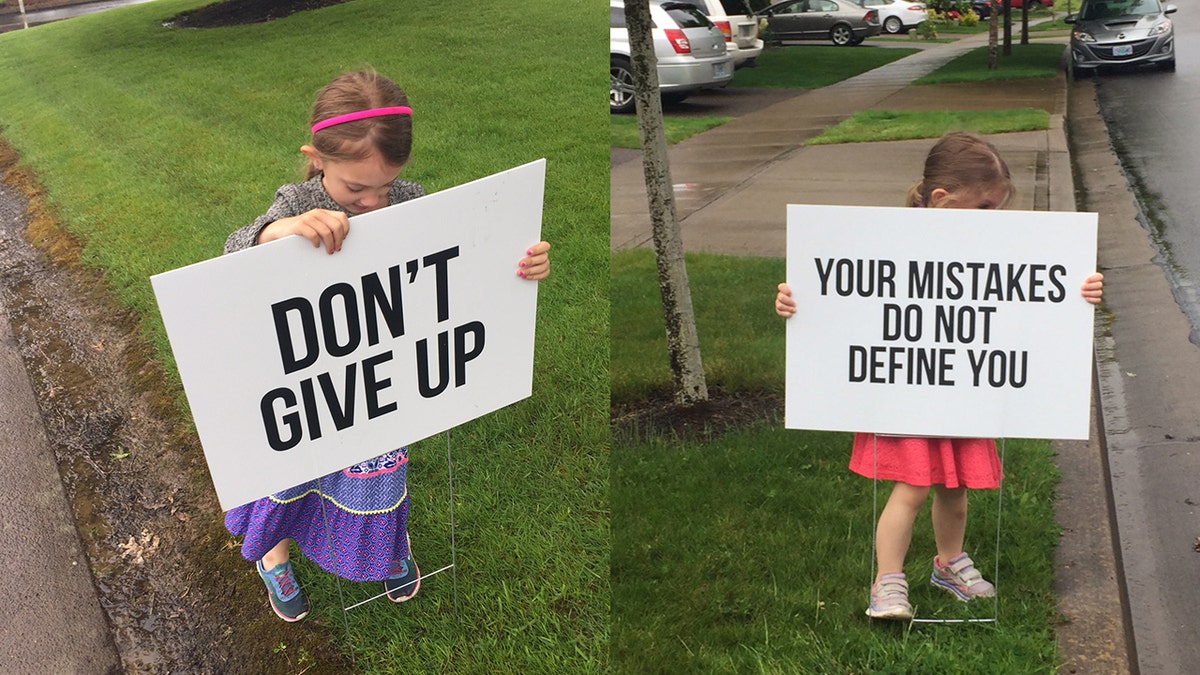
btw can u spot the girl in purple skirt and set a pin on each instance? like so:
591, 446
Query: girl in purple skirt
361, 139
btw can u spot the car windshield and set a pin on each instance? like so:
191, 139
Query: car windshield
1112, 10
686, 16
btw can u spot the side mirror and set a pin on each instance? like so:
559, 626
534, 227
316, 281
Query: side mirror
1070, 18
1171, 9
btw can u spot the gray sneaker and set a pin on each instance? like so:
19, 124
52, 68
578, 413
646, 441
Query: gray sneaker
889, 598
961, 578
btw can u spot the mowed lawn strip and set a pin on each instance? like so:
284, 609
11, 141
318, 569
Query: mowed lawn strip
154, 143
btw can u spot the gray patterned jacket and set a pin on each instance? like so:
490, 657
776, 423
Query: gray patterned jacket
294, 199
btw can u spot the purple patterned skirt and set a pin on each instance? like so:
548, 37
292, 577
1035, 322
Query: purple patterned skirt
366, 506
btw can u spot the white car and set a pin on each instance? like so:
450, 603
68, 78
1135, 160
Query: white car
897, 16
740, 29
690, 52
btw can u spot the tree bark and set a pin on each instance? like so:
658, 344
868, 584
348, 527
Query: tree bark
993, 38
683, 343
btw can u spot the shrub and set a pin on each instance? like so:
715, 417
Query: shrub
927, 30
969, 19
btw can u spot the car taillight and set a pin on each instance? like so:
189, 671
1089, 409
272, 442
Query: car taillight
725, 29
872, 16
916, 8
678, 40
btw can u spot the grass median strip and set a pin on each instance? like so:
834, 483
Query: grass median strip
154, 143
885, 125
749, 550
624, 129
1026, 61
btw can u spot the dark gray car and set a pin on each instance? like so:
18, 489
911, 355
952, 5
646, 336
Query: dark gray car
1122, 32
839, 21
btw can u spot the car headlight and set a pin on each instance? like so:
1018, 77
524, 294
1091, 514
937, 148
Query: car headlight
1083, 36
1161, 28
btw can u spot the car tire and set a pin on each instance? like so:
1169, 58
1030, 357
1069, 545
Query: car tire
893, 25
671, 98
1167, 66
841, 35
620, 92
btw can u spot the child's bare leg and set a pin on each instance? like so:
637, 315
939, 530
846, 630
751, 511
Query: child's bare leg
893, 533
949, 521
277, 555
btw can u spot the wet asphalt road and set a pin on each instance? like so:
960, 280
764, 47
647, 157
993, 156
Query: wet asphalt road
1155, 462
13, 21
1154, 120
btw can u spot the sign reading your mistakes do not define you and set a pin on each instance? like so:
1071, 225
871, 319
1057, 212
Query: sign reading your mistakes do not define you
297, 363
939, 322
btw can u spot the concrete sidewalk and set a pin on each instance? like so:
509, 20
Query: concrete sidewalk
732, 185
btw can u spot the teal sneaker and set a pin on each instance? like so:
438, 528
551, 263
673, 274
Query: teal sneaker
404, 580
288, 601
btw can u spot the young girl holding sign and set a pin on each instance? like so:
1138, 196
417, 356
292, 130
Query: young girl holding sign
962, 171
352, 523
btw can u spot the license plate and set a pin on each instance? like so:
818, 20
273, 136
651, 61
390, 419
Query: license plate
720, 69
1123, 50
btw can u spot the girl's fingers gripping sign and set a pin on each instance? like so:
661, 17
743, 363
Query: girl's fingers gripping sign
536, 263
785, 306
324, 228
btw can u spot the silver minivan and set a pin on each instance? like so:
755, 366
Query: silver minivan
689, 48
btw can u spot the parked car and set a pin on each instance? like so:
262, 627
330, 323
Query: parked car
1122, 33
897, 16
740, 30
842, 22
690, 51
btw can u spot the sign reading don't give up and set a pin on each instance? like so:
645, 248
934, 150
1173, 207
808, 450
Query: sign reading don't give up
939, 322
297, 363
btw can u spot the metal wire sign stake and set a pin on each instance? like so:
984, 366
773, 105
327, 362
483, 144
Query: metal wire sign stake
874, 539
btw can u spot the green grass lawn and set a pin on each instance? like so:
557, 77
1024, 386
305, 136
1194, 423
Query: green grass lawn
624, 129
751, 551
883, 125
153, 144
1031, 60
813, 66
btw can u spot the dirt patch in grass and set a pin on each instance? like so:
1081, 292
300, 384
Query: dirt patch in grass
660, 416
240, 12
178, 595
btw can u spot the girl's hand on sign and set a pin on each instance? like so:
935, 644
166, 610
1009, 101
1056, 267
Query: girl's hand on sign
1093, 288
319, 226
536, 263
785, 306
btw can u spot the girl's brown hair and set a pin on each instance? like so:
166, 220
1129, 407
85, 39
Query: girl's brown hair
389, 135
961, 162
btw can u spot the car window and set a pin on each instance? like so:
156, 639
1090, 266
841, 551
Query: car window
698, 4
686, 16
823, 6
1111, 10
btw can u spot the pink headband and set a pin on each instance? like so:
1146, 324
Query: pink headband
361, 115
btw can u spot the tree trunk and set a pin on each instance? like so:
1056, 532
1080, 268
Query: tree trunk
993, 38
683, 344
1007, 28
1025, 22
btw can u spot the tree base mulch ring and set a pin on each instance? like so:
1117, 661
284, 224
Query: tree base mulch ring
659, 416
242, 12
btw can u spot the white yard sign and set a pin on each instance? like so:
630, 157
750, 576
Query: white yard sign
939, 322
297, 363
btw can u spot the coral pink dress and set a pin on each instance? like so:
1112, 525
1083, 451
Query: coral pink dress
953, 462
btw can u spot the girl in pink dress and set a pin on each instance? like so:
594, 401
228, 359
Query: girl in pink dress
962, 171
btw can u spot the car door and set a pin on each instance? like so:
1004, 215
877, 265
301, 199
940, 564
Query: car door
787, 20
821, 16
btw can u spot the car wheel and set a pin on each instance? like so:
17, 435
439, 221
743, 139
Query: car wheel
671, 98
620, 91
893, 25
1168, 66
841, 35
